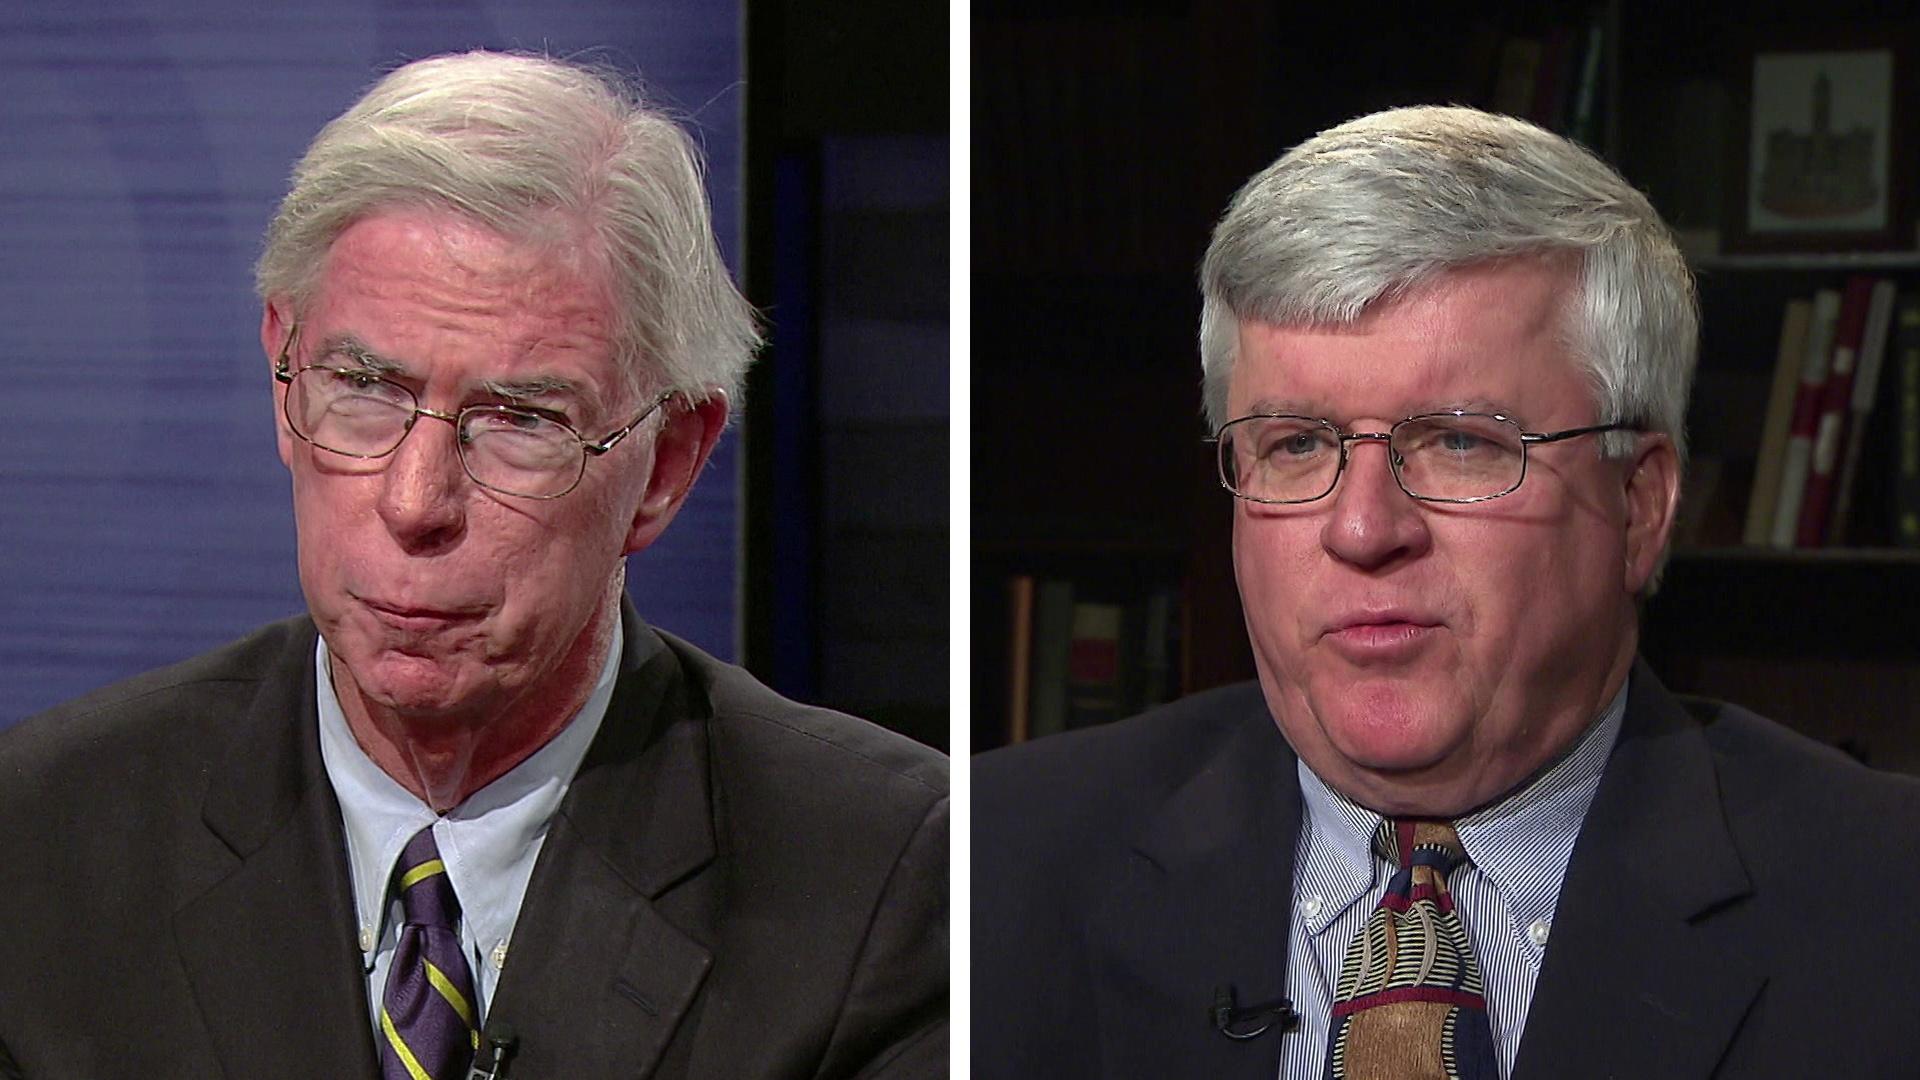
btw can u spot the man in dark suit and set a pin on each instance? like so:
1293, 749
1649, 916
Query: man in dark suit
470, 812
1455, 830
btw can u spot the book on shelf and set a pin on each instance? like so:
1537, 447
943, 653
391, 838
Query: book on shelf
1086, 654
1906, 487
1020, 657
1794, 326
1866, 394
1157, 675
1553, 79
1797, 459
1093, 665
1519, 72
1052, 639
1836, 397
1585, 120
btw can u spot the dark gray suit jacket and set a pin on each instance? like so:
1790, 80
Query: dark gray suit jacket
734, 886
1736, 906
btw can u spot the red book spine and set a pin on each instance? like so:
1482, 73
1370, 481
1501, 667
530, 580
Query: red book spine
1829, 426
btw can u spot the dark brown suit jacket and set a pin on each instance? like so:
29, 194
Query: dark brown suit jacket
1736, 905
734, 886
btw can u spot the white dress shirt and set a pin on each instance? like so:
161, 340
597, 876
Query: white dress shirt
1518, 850
489, 842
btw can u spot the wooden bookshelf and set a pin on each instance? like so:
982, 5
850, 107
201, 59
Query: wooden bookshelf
1085, 313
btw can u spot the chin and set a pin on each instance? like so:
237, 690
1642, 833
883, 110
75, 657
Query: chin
415, 685
1390, 728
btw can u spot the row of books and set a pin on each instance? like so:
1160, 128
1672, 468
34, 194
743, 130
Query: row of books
1833, 352
1081, 657
1556, 78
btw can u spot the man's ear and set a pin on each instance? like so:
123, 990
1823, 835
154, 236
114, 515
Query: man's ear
276, 323
1653, 498
687, 436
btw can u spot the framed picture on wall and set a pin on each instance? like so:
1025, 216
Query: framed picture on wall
1824, 152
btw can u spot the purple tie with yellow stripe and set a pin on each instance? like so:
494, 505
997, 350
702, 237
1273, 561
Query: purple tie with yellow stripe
427, 1025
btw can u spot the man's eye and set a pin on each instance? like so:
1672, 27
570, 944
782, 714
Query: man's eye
1460, 442
359, 381
1295, 441
514, 421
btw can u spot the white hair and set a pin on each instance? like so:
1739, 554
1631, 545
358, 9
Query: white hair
543, 152
1377, 206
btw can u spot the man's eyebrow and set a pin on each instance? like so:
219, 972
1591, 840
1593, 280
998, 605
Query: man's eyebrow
352, 348
1300, 407
1279, 407
537, 387
1472, 405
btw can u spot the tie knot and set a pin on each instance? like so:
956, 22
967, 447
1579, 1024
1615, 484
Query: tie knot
1407, 842
426, 895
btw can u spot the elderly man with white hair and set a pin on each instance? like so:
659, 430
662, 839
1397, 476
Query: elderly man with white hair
470, 814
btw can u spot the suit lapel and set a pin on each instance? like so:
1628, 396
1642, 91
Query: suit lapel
597, 977
1202, 903
269, 949
1637, 980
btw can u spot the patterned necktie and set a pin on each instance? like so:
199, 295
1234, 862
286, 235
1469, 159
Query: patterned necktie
1410, 1004
426, 1016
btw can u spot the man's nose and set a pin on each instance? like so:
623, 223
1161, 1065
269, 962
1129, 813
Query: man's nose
1373, 523
424, 490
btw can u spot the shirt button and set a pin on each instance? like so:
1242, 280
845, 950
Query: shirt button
366, 938
1537, 933
1310, 907
499, 956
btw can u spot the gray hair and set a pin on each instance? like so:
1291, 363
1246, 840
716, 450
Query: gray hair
1379, 205
540, 151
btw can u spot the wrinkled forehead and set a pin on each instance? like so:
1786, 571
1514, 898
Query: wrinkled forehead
412, 284
1478, 337
545, 257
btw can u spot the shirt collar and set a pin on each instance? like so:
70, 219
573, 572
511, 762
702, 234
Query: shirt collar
487, 842
1521, 843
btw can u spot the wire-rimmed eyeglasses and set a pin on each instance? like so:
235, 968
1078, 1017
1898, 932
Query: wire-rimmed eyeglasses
515, 450
1447, 457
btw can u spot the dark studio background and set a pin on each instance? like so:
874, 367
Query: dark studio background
144, 516
847, 532
1106, 140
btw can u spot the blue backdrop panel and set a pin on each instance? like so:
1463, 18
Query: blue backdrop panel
143, 512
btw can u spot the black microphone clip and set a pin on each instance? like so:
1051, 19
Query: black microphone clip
491, 1062
1253, 1021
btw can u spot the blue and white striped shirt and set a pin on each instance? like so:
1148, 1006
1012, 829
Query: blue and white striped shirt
1518, 849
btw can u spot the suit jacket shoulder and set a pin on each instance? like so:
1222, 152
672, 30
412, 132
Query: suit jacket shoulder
1123, 875
1717, 903
164, 845
880, 771
832, 837
1065, 802
200, 699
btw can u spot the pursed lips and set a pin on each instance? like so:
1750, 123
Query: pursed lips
1380, 617
1379, 632
416, 614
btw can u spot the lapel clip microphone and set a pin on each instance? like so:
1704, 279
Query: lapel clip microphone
491, 1062
1251, 1022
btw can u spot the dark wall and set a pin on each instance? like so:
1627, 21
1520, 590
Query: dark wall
847, 492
